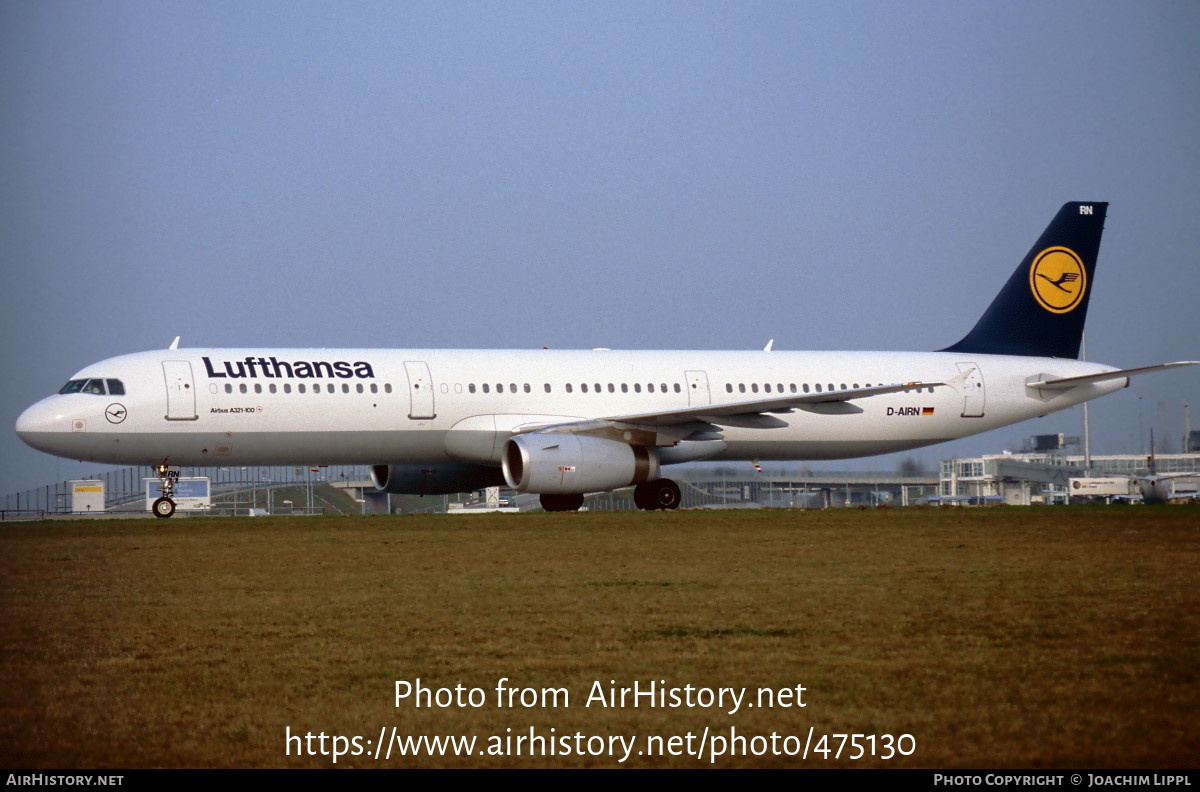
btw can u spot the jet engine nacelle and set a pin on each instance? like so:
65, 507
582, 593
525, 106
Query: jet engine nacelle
438, 479
566, 464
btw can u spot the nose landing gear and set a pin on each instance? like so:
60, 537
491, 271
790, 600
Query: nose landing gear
168, 476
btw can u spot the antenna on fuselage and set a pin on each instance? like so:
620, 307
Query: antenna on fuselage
174, 344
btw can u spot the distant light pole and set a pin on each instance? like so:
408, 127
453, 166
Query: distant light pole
1141, 432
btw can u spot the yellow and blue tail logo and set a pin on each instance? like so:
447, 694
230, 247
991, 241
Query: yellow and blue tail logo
1058, 279
1041, 310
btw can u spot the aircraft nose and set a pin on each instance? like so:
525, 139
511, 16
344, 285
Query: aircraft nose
38, 424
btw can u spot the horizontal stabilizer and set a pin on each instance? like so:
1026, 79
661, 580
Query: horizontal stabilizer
1066, 383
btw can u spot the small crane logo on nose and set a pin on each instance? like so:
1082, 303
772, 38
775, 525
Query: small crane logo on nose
115, 413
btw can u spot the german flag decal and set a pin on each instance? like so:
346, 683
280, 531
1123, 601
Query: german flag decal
926, 411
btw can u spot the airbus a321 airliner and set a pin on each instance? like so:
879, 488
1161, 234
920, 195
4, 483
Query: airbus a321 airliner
565, 423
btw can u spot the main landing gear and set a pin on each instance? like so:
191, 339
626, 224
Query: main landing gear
660, 494
168, 475
557, 503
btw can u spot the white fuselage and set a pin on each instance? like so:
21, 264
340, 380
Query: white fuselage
368, 406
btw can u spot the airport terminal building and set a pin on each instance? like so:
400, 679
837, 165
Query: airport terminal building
1021, 479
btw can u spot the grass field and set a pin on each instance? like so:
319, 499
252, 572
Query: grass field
1038, 637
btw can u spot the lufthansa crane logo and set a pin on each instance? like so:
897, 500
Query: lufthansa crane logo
1058, 279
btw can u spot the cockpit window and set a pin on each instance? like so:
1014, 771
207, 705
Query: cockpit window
94, 387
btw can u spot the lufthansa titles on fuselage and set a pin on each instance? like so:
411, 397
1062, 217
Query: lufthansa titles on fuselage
254, 367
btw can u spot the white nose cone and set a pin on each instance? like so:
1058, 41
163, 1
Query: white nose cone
41, 425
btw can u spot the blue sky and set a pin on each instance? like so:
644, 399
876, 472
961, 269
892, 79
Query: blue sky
630, 175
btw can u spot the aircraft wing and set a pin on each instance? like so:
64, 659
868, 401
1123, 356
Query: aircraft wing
1066, 383
720, 413
666, 427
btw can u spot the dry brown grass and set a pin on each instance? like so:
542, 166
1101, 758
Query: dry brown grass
1003, 637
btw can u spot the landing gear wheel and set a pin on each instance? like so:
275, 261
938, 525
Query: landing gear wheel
168, 476
163, 507
558, 503
639, 497
660, 494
